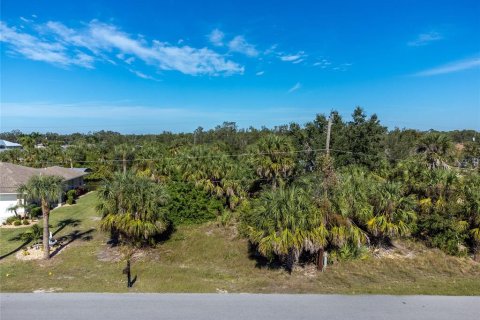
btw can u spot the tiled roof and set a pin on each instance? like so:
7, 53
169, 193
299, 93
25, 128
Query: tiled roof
13, 176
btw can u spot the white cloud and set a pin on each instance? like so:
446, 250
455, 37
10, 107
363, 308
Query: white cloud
142, 75
297, 86
260, 73
425, 38
37, 49
294, 58
129, 60
216, 37
451, 67
58, 44
25, 20
239, 44
271, 50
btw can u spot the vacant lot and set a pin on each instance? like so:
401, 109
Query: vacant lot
212, 258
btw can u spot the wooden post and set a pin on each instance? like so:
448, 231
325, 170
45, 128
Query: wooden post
320, 259
329, 129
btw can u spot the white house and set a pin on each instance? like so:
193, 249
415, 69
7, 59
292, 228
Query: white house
7, 145
12, 176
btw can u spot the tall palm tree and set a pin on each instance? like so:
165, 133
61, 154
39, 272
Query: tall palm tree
343, 202
132, 207
125, 151
284, 222
45, 189
274, 159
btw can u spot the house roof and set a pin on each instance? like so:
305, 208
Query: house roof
9, 144
13, 176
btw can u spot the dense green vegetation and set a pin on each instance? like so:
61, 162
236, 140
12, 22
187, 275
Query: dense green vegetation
290, 199
211, 257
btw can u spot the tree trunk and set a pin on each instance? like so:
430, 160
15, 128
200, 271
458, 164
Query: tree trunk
291, 260
46, 233
320, 259
71, 163
114, 237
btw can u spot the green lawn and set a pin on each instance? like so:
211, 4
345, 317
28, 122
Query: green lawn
209, 258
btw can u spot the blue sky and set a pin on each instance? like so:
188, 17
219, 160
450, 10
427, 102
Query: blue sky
149, 66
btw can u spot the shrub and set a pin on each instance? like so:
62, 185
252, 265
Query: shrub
190, 205
71, 195
34, 234
25, 222
17, 222
35, 212
12, 219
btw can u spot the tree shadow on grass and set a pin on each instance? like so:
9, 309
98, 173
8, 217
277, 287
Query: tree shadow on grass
166, 235
71, 237
16, 249
261, 261
65, 223
61, 225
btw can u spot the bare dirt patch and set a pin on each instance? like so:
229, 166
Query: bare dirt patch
116, 254
36, 252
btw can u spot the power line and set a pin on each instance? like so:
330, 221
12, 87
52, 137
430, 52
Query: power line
105, 161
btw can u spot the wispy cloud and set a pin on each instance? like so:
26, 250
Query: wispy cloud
240, 45
425, 38
260, 73
216, 37
34, 48
58, 44
142, 75
328, 65
324, 64
294, 58
297, 86
452, 67
25, 20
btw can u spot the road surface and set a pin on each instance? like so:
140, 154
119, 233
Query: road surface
91, 306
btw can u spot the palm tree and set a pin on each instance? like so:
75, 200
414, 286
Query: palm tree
125, 151
285, 223
273, 159
73, 154
393, 211
216, 173
132, 207
435, 149
351, 197
343, 202
47, 189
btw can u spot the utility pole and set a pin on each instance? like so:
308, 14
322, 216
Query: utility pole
329, 129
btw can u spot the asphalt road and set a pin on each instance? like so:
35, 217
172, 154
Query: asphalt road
91, 306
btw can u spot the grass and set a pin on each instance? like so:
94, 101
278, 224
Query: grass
211, 258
